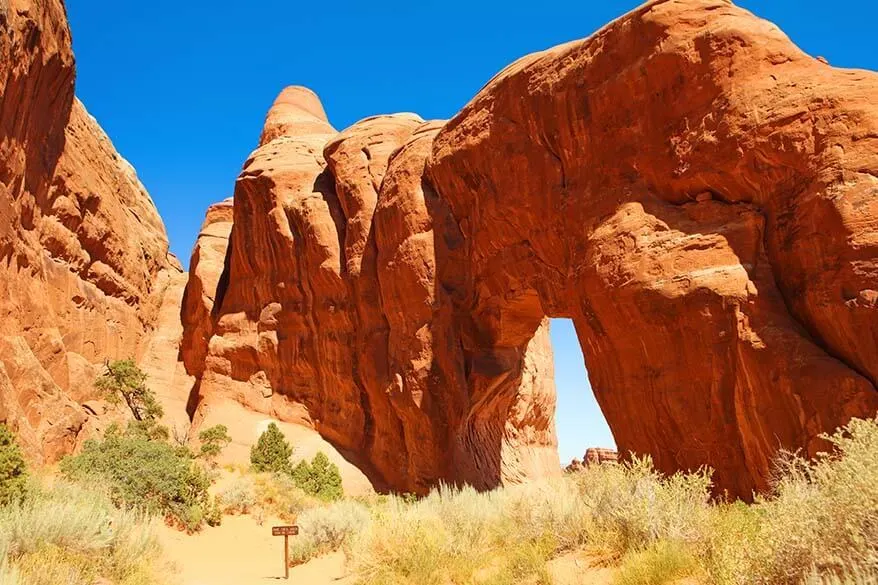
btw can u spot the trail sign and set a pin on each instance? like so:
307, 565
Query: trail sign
286, 532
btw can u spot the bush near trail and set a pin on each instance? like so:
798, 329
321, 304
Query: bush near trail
142, 473
272, 454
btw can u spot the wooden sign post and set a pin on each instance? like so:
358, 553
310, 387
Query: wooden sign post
286, 532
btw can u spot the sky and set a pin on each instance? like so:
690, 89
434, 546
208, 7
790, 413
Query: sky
182, 89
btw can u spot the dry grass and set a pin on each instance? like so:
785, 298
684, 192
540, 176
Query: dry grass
820, 527
74, 536
265, 494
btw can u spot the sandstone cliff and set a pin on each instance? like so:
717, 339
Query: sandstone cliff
83, 252
694, 191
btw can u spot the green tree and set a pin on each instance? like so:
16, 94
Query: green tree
321, 478
271, 452
13, 470
122, 381
213, 441
153, 476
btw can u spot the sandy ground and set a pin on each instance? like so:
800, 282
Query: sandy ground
241, 552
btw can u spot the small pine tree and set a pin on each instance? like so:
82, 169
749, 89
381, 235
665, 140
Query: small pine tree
123, 380
213, 441
13, 470
271, 452
321, 478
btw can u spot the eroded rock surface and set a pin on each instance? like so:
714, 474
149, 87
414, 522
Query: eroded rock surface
83, 251
694, 191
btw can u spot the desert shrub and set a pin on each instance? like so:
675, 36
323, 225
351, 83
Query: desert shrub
272, 452
278, 495
149, 475
264, 494
13, 470
77, 536
321, 478
238, 497
821, 523
632, 506
460, 535
213, 441
327, 528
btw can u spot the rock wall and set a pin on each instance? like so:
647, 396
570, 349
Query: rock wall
699, 196
83, 252
325, 311
690, 188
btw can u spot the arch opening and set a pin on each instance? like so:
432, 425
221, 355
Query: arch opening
579, 422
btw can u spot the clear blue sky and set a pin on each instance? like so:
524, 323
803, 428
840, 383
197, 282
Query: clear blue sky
182, 88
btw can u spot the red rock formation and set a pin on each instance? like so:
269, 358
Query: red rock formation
84, 252
696, 193
325, 316
593, 456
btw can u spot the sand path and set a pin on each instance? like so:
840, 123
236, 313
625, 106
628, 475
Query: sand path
241, 552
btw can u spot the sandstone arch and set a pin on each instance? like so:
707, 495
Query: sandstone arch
695, 192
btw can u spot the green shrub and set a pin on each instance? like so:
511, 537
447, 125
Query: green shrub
145, 474
272, 452
320, 479
13, 470
213, 441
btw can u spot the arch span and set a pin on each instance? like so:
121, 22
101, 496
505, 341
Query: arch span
698, 195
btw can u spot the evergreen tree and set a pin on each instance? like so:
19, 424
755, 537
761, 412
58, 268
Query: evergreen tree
271, 452
321, 478
123, 380
213, 441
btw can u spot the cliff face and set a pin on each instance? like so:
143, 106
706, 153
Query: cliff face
326, 312
696, 193
83, 252
699, 196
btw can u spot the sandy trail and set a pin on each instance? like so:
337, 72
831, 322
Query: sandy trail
241, 552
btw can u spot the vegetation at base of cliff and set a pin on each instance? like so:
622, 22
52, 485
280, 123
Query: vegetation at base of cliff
138, 468
320, 478
264, 495
819, 526
146, 474
13, 469
272, 454
213, 441
72, 535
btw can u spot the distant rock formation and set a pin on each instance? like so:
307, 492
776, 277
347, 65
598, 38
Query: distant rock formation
593, 456
84, 257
